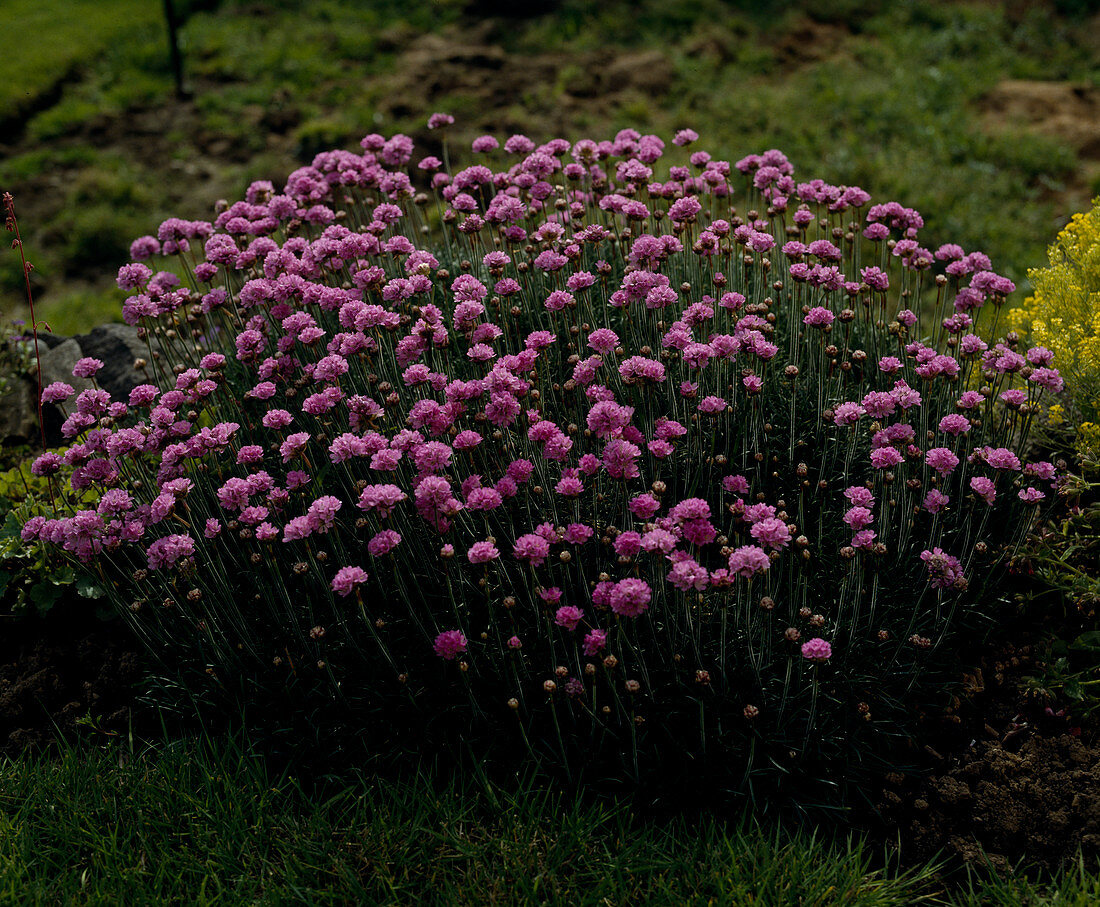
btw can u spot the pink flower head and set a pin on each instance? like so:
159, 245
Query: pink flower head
954, 424
577, 533
603, 340
847, 414
771, 532
87, 367
347, 578
532, 548
885, 458
644, 506
817, 650
944, 571
482, 553
859, 496
858, 517
594, 642
568, 616
450, 644
630, 597
749, 560
863, 539
735, 484
1030, 495
935, 501
384, 542
941, 459
1001, 458
983, 488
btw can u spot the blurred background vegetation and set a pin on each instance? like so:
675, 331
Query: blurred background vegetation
983, 115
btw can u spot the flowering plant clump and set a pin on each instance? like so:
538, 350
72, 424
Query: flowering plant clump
618, 447
1063, 315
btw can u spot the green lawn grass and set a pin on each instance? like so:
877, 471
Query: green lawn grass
205, 822
47, 39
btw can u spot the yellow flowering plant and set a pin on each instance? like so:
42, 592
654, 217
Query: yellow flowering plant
1063, 314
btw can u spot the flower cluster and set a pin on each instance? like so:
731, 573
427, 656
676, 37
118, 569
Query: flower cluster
1063, 320
603, 431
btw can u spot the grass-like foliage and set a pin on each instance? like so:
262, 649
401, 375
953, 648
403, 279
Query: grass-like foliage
626, 455
208, 823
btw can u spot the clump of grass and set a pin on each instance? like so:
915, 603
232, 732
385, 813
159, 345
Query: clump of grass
208, 822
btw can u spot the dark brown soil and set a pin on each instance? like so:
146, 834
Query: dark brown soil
1012, 779
55, 673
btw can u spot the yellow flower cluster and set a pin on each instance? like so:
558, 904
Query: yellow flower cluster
1064, 316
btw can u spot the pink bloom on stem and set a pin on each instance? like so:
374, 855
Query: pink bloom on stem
817, 650
935, 501
983, 488
748, 560
594, 642
384, 542
347, 578
531, 548
630, 597
450, 644
568, 616
482, 552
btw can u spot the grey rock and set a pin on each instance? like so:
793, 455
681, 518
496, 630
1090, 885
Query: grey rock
117, 346
57, 365
19, 413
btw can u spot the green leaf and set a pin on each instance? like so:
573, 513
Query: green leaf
1089, 641
5, 578
63, 576
86, 587
45, 595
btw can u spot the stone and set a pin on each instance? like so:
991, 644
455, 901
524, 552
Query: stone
19, 413
117, 346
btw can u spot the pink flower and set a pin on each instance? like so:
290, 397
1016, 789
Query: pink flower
858, 517
735, 484
450, 644
859, 496
944, 571
863, 539
954, 424
482, 553
347, 578
644, 506
87, 367
384, 542
847, 414
619, 459
603, 340
817, 650
568, 616
935, 501
941, 459
771, 532
594, 642
630, 597
531, 548
577, 533
885, 457
983, 488
749, 560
